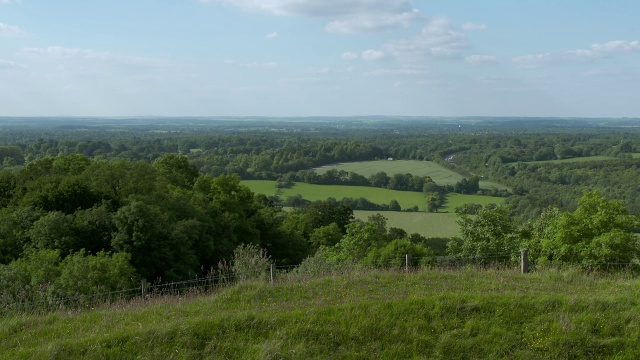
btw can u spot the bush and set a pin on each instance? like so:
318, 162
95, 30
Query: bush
250, 263
83, 274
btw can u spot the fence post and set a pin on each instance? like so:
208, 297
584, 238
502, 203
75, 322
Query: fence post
407, 262
273, 273
144, 288
524, 261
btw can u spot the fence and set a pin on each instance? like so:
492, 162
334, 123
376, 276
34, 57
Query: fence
40, 302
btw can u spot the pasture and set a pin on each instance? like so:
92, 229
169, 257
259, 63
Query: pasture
440, 174
455, 200
406, 199
429, 225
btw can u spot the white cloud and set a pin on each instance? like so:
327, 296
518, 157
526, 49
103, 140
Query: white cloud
253, 64
397, 72
7, 64
611, 47
344, 16
480, 59
301, 79
371, 55
7, 30
438, 38
272, 35
349, 55
323, 70
473, 26
4, 2
533, 61
63, 53
595, 51
372, 22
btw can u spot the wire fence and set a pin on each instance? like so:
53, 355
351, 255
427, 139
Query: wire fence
40, 301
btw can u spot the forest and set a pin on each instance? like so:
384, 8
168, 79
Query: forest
91, 205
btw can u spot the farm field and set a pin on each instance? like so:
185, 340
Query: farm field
312, 192
266, 187
426, 224
437, 172
406, 199
455, 200
371, 314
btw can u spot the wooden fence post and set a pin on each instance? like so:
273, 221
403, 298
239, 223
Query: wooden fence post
407, 263
524, 261
144, 288
273, 273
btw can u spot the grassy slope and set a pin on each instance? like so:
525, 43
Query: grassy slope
439, 174
431, 314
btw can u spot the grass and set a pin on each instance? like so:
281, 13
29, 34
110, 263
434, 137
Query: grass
456, 200
465, 314
426, 224
440, 174
266, 187
406, 199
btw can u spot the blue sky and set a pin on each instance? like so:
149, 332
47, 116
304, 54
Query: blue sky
320, 58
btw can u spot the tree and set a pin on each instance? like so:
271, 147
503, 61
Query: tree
491, 232
379, 179
327, 235
599, 231
176, 170
394, 206
360, 238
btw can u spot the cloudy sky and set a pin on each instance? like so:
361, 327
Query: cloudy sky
320, 57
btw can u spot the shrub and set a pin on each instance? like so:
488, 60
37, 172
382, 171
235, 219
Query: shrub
250, 263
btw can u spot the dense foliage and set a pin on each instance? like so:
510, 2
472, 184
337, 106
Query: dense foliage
162, 200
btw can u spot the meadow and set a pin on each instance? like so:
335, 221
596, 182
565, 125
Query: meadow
440, 174
429, 225
441, 224
367, 314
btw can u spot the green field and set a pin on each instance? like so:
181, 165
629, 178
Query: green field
426, 224
428, 314
266, 187
406, 199
440, 174
455, 200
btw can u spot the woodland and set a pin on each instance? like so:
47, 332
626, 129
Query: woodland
92, 205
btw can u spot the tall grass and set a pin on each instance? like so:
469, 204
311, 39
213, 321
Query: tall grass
360, 314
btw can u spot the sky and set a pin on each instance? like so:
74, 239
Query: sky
569, 58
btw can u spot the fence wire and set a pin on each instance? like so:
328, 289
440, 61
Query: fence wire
41, 302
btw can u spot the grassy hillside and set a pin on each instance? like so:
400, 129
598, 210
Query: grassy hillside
439, 174
462, 314
406, 199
